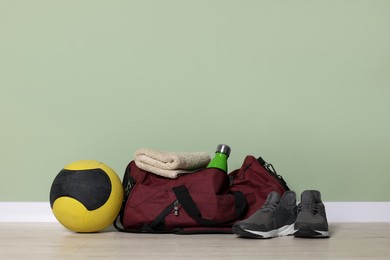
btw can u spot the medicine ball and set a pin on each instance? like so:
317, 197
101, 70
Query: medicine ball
86, 196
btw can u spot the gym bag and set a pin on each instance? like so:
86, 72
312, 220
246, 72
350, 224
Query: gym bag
206, 201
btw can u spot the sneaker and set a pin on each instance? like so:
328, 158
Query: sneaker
275, 218
311, 220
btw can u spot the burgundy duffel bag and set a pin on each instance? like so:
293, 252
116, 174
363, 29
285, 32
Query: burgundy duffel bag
206, 201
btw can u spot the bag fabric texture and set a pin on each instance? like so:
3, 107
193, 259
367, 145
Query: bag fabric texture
205, 201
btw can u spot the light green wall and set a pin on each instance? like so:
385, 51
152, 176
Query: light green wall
305, 84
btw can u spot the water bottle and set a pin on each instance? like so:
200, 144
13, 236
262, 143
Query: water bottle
220, 158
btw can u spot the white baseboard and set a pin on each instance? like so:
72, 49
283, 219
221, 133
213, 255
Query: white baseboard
26, 212
357, 211
336, 212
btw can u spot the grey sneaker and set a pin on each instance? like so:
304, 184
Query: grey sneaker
275, 218
311, 220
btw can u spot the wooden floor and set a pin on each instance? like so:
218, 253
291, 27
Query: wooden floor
52, 241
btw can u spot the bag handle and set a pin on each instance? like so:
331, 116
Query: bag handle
185, 199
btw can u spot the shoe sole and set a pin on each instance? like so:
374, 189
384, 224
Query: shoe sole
283, 231
308, 232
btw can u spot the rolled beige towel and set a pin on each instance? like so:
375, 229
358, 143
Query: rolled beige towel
170, 164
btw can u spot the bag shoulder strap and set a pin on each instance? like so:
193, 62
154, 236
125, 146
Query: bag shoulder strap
185, 199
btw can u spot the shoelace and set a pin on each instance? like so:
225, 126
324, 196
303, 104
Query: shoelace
312, 208
268, 207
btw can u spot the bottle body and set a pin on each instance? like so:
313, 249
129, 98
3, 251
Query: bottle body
220, 158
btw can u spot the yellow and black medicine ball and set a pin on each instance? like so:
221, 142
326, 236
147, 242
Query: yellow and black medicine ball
86, 196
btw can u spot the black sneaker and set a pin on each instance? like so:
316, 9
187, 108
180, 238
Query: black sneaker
311, 220
275, 218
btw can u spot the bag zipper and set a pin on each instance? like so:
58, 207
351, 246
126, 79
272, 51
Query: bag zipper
129, 185
157, 224
176, 204
270, 168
